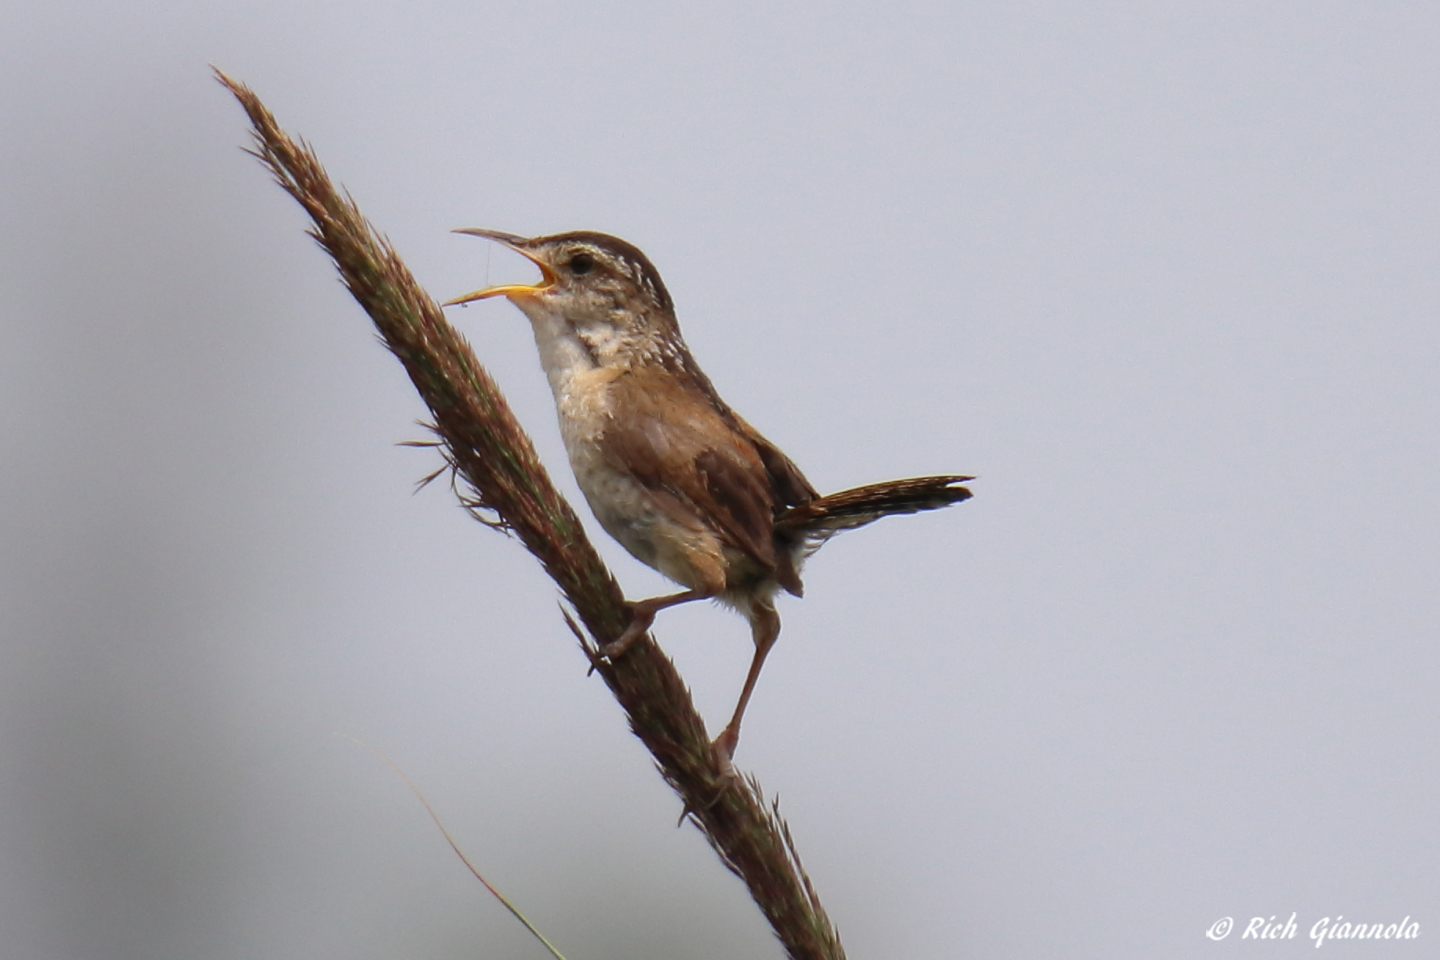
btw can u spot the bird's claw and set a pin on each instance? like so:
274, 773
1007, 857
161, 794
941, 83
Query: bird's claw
641, 618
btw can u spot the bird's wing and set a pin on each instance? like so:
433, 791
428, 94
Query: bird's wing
789, 484
687, 450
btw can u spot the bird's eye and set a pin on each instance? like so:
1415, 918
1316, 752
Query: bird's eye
581, 263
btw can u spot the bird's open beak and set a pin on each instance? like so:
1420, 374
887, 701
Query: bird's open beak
547, 276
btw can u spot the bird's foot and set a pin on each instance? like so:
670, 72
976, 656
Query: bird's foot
723, 747
642, 616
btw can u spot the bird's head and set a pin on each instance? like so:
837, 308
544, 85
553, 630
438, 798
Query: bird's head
599, 287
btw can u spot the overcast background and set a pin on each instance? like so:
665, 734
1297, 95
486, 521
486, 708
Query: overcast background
1163, 274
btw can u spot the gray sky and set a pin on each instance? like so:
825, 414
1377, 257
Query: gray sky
1162, 274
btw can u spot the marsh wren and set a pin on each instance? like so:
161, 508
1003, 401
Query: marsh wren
669, 470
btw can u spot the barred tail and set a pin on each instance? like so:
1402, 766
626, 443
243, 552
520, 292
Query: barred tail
824, 517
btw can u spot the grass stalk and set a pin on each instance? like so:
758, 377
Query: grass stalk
501, 480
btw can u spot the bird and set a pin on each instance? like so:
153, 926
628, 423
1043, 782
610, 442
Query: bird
681, 480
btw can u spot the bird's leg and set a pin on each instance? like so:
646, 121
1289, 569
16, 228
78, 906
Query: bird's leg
643, 614
765, 629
